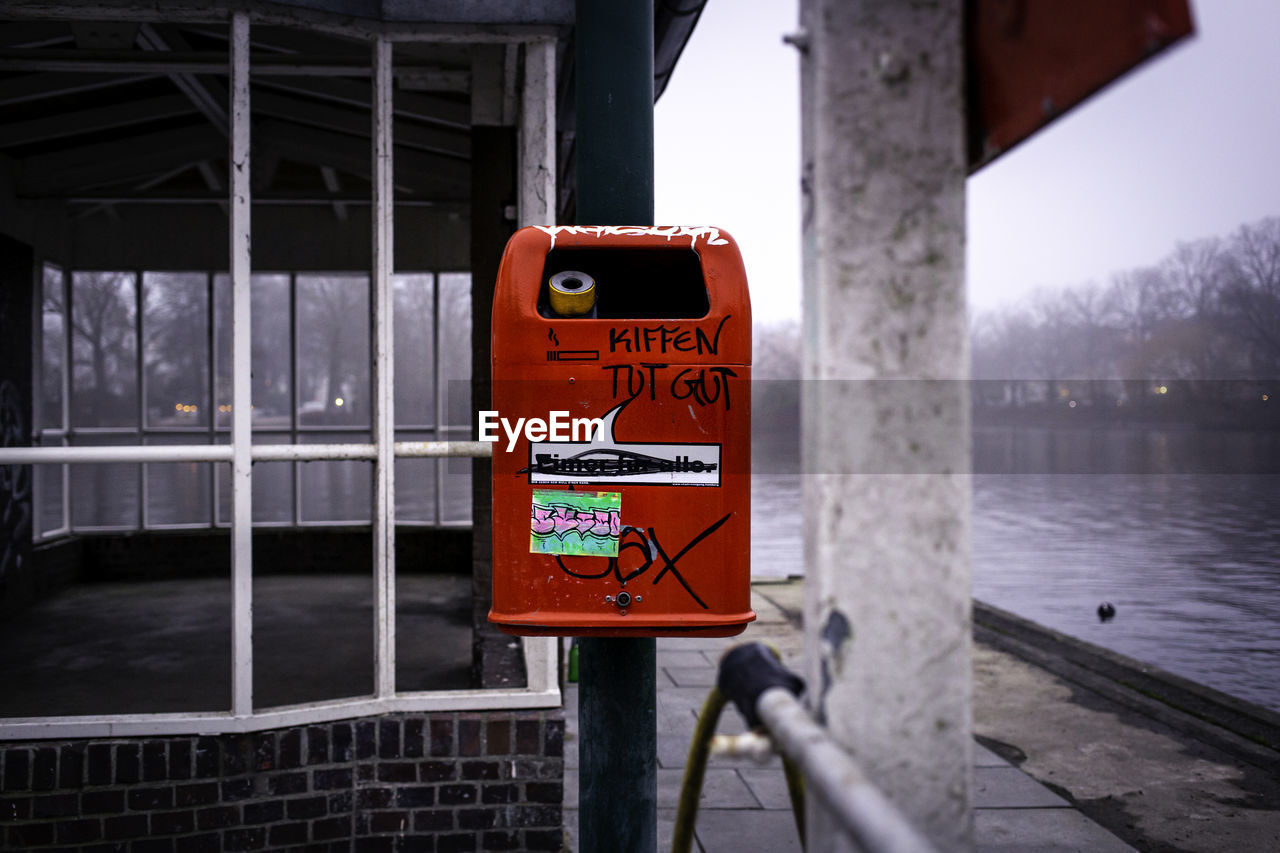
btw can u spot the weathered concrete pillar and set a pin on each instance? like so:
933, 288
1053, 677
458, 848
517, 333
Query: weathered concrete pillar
886, 417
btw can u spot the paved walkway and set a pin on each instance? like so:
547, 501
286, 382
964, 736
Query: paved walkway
744, 805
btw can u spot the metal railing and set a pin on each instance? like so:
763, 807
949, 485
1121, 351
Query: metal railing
223, 452
764, 691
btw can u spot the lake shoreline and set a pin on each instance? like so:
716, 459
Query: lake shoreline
1163, 762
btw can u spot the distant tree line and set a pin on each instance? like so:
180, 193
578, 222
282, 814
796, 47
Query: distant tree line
1205, 320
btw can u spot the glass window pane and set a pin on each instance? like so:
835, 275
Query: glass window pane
178, 493
414, 350
333, 351
105, 383
272, 485
456, 506
455, 347
175, 346
53, 358
269, 344
50, 479
50, 518
338, 492
105, 494
416, 484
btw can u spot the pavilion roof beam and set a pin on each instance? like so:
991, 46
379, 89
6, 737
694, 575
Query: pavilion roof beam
137, 158
425, 108
35, 34
356, 123
106, 204
434, 80
331, 183
295, 42
94, 119
212, 181
83, 61
197, 91
279, 199
417, 171
35, 87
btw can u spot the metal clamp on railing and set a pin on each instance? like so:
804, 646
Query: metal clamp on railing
764, 691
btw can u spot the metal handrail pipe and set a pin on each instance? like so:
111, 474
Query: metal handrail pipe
859, 807
473, 449
223, 452
116, 453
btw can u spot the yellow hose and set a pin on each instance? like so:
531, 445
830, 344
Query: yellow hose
695, 770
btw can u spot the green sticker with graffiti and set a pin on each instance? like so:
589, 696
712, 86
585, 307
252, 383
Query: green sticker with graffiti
582, 524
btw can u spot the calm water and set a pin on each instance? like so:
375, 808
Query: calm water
1179, 529
1191, 561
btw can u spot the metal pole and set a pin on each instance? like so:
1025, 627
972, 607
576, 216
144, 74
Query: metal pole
617, 691
241, 380
384, 519
886, 421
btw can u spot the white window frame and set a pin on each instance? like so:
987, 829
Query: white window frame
537, 169
216, 431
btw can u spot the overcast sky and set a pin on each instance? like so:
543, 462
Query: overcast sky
1188, 146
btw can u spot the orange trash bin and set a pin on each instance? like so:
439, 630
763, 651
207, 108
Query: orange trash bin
622, 427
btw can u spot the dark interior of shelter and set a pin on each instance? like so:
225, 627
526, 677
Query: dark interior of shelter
247, 259
114, 175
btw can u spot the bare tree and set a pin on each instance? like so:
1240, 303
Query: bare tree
1251, 292
104, 350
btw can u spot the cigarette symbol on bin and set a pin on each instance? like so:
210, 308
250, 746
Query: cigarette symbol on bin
573, 355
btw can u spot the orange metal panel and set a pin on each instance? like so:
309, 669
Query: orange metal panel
1032, 60
665, 361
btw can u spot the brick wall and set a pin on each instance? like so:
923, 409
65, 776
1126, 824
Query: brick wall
430, 782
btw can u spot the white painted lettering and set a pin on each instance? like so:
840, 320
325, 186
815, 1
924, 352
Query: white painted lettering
559, 425
512, 434
488, 425
592, 429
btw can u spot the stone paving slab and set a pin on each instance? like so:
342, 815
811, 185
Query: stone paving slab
983, 757
673, 750
714, 645
768, 784
744, 806
1010, 788
684, 697
722, 788
690, 658
743, 831
731, 722
1041, 831
571, 779
691, 676
767, 613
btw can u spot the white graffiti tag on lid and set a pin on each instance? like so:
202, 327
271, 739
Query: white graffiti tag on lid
671, 232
